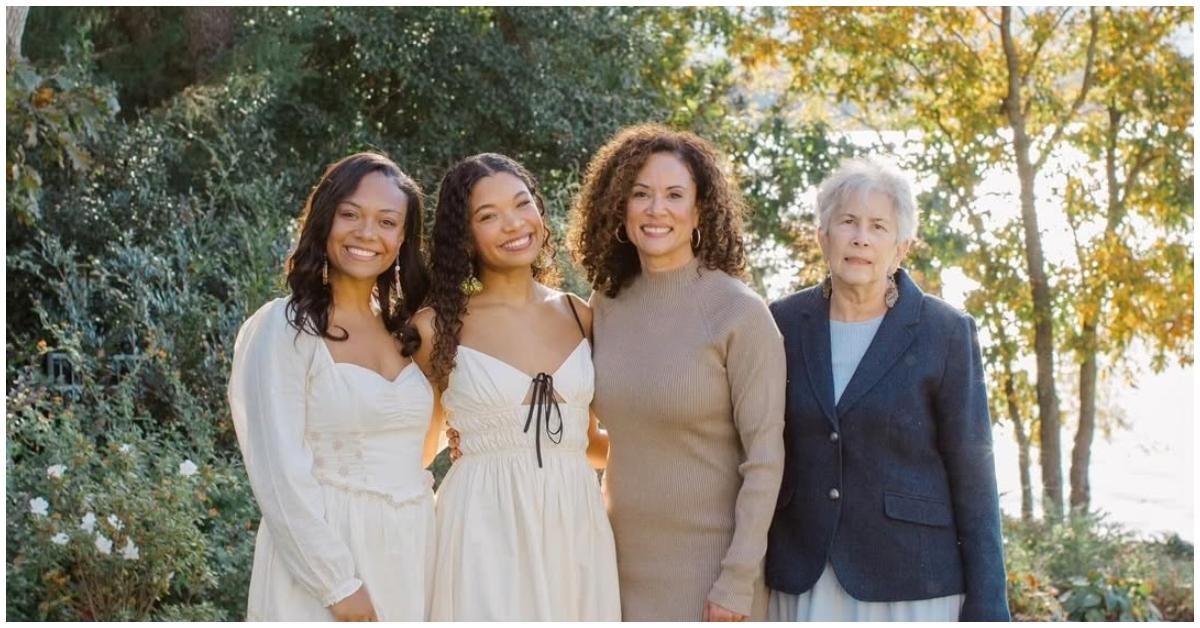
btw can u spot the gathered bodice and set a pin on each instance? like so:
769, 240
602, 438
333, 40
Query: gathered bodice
489, 402
366, 432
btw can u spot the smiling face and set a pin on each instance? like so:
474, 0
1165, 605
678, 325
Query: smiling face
506, 222
661, 213
862, 245
367, 230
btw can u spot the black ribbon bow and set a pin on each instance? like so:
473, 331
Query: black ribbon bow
541, 403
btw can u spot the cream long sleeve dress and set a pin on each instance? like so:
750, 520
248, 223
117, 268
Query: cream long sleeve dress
333, 452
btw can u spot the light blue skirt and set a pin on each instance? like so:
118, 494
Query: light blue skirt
828, 601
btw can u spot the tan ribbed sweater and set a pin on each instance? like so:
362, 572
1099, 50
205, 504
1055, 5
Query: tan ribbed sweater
690, 378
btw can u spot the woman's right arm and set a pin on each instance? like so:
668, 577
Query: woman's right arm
267, 391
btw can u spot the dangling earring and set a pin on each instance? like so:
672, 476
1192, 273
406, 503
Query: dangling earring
696, 238
618, 232
471, 286
827, 285
893, 292
325, 272
399, 289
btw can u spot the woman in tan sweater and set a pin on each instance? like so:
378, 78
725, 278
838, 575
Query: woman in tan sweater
690, 377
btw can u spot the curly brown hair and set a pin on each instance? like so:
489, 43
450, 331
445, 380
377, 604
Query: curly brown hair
453, 259
610, 264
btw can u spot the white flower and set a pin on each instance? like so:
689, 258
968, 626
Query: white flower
60, 539
103, 544
88, 523
126, 448
55, 471
187, 468
130, 552
115, 522
39, 506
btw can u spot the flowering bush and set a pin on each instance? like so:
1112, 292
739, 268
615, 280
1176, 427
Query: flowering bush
126, 498
96, 530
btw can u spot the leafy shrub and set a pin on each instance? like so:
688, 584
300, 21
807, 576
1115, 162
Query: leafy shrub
1097, 598
54, 118
1091, 569
139, 277
96, 528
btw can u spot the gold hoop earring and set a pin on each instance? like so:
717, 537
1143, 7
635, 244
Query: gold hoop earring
696, 238
617, 234
325, 272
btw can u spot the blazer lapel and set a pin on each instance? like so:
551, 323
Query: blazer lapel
814, 344
895, 334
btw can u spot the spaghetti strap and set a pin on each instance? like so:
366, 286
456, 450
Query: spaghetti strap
571, 302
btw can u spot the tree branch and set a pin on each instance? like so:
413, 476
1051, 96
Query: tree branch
987, 16
1089, 64
1041, 44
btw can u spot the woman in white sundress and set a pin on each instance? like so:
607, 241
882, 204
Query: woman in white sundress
333, 418
522, 530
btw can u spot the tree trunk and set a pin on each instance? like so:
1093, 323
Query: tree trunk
1048, 414
1014, 415
14, 24
1081, 455
210, 32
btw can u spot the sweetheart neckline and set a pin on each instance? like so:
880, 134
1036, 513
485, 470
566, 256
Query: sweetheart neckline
562, 364
372, 371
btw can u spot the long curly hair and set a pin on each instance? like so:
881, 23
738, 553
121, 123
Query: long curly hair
453, 258
311, 300
599, 210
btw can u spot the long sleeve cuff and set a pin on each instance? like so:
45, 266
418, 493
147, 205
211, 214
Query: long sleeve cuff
724, 595
341, 592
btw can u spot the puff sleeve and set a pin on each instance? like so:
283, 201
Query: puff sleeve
267, 397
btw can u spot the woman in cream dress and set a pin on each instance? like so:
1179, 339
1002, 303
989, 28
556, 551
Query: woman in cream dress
522, 532
332, 416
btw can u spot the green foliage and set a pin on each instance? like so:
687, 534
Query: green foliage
141, 274
1088, 569
117, 528
142, 50
53, 120
1097, 598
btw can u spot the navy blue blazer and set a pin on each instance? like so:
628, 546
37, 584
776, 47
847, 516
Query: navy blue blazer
895, 485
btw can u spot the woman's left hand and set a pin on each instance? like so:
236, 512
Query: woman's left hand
716, 612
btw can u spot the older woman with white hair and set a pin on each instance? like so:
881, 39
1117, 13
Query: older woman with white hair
888, 508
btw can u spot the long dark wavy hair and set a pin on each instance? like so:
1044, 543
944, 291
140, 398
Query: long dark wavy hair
599, 212
454, 259
311, 301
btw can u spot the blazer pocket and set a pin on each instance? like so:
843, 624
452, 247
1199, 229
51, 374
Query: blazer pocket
922, 510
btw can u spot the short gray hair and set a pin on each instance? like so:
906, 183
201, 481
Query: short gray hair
861, 176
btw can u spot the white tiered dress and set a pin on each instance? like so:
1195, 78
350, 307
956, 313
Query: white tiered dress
518, 541
333, 452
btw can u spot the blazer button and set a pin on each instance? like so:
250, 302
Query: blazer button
834, 494
834, 437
